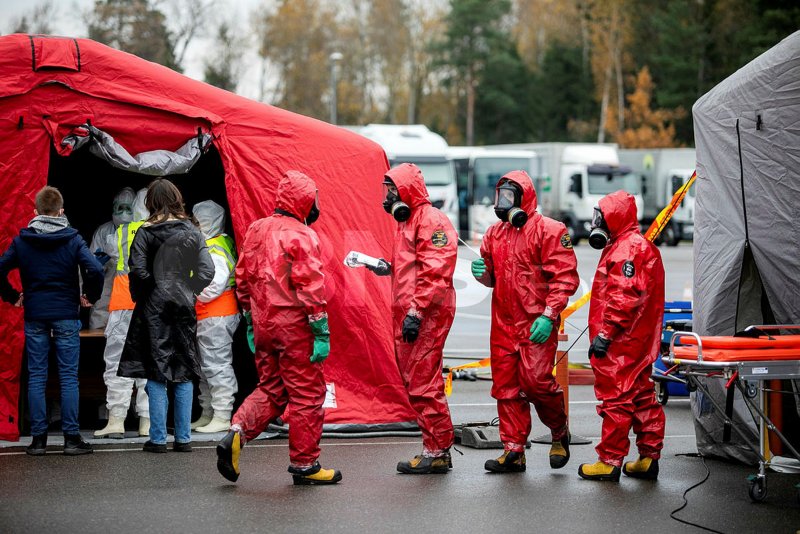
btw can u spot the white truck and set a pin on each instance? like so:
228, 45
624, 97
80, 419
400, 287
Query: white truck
573, 177
415, 143
662, 172
478, 169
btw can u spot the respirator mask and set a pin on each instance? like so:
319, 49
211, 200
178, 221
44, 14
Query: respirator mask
313, 213
599, 236
392, 203
507, 201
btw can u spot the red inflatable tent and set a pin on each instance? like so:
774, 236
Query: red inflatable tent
54, 89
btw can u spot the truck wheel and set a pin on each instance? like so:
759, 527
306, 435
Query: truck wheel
673, 236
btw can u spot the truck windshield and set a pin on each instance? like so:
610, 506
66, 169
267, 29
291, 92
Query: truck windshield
436, 173
603, 184
488, 172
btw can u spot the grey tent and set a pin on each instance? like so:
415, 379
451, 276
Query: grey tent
747, 219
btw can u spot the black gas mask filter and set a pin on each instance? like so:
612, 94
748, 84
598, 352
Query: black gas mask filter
392, 203
599, 236
507, 202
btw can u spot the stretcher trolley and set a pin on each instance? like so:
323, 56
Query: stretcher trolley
763, 353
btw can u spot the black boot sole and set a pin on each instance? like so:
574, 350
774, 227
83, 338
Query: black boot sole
612, 477
300, 480
557, 462
494, 467
408, 470
35, 452
641, 476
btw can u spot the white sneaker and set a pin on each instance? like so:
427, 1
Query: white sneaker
144, 426
216, 424
202, 421
115, 428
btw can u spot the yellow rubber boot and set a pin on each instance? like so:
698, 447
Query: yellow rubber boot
228, 450
315, 475
559, 452
644, 468
509, 462
599, 471
424, 465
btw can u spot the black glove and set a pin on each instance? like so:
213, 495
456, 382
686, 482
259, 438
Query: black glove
411, 328
384, 268
101, 256
599, 347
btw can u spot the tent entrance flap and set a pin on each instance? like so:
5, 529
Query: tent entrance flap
88, 185
752, 304
151, 163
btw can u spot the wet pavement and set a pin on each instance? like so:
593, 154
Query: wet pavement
119, 488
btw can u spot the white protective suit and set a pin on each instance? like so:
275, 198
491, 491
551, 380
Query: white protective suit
215, 334
105, 240
119, 388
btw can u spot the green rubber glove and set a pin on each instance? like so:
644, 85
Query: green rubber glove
251, 339
322, 340
540, 329
478, 268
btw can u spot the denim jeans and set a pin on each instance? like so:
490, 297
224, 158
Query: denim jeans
65, 336
182, 411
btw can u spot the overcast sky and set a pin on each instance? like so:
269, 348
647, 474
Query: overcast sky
68, 21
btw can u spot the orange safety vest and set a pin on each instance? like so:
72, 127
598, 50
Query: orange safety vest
121, 288
226, 303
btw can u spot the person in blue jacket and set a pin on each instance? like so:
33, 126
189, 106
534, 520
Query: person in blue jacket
49, 254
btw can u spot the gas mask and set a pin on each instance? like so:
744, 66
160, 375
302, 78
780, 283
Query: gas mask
599, 236
313, 214
507, 201
392, 203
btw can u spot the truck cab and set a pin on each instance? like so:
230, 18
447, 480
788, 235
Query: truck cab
478, 170
415, 143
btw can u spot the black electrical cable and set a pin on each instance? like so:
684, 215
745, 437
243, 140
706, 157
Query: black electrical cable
686, 502
573, 344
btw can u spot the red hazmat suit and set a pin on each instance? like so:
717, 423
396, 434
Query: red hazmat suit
627, 307
533, 271
423, 262
279, 281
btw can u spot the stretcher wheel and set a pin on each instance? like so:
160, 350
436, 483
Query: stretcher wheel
758, 489
662, 394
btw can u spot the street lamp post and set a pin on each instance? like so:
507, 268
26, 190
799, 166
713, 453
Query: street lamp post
334, 58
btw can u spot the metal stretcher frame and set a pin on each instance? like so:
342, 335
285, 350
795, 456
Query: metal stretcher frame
736, 373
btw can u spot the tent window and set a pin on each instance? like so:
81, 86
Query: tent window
49, 53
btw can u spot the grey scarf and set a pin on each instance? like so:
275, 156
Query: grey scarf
46, 224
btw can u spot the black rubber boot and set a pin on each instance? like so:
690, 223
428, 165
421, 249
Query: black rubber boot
423, 465
314, 476
509, 462
182, 447
38, 446
559, 452
228, 450
74, 445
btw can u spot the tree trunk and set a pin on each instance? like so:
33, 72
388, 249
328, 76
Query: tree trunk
470, 107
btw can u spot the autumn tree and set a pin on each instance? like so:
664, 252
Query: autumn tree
646, 127
474, 28
223, 63
37, 20
133, 26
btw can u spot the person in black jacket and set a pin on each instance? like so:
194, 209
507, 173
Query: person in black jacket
48, 254
169, 266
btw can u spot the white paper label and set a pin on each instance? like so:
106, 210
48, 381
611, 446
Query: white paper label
760, 370
330, 396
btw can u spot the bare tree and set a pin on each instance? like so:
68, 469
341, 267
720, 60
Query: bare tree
223, 66
187, 20
37, 20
